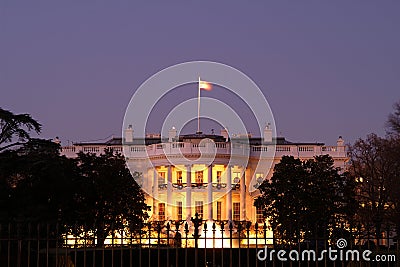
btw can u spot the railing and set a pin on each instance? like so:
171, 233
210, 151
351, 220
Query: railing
91, 149
67, 149
162, 186
199, 185
179, 148
219, 185
181, 186
259, 148
329, 148
171, 243
282, 148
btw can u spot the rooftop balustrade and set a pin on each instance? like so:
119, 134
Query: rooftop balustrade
219, 148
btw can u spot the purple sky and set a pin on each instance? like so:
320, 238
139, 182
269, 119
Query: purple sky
327, 69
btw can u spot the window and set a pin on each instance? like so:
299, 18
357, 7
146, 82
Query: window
236, 211
259, 214
219, 173
199, 208
161, 178
161, 211
179, 210
179, 177
199, 177
218, 210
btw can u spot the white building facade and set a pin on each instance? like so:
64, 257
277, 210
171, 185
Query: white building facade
206, 174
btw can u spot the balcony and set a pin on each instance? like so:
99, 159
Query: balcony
179, 186
219, 185
162, 186
199, 185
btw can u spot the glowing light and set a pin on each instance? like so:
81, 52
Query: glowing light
209, 241
205, 85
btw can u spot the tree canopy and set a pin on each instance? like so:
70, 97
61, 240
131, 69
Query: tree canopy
108, 197
16, 128
393, 121
89, 193
375, 165
304, 199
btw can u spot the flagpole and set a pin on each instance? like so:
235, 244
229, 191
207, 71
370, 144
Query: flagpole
198, 110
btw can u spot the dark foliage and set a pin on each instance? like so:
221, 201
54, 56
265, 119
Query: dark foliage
393, 122
90, 193
16, 126
108, 197
376, 166
305, 199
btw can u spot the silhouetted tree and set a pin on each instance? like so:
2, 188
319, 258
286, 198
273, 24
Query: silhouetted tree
108, 197
394, 187
36, 181
306, 199
393, 122
375, 168
16, 126
88, 194
393, 152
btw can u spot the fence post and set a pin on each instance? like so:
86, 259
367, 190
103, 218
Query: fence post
196, 223
205, 233
168, 229
149, 233
186, 241
265, 235
178, 242
222, 241
213, 231
159, 242
186, 233
248, 225
256, 232
231, 242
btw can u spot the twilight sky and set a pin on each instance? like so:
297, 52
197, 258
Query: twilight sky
326, 69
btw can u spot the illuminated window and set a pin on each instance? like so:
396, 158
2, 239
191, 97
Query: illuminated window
161, 211
179, 177
236, 211
199, 177
219, 173
179, 210
199, 208
260, 214
161, 178
218, 210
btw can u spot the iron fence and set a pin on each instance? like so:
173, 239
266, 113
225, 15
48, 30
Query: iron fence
178, 243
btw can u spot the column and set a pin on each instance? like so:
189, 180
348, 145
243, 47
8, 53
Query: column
188, 192
229, 195
169, 205
210, 194
147, 180
243, 195
155, 193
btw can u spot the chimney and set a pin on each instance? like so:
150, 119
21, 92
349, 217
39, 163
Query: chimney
128, 135
224, 133
172, 134
267, 134
340, 141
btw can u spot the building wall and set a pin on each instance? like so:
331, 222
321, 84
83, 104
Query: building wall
154, 159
